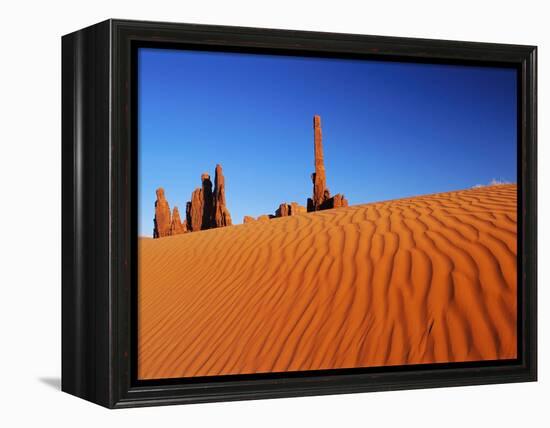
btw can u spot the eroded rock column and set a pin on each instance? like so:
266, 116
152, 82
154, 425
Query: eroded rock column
221, 215
319, 177
162, 218
177, 227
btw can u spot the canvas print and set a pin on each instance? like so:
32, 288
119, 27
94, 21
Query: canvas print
303, 214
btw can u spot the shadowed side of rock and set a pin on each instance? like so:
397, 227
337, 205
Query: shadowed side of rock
337, 201
208, 202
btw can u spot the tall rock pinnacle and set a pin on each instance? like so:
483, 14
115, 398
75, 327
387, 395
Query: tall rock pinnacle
321, 199
162, 219
208, 202
194, 211
221, 213
319, 177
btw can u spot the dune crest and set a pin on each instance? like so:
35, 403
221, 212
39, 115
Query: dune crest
427, 279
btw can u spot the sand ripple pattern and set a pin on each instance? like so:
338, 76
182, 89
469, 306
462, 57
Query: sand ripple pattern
427, 279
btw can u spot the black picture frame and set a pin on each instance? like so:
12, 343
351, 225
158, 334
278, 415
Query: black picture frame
99, 215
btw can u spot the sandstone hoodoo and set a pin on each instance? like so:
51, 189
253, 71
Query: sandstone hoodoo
207, 202
177, 227
162, 220
199, 210
206, 210
194, 209
321, 199
221, 213
283, 210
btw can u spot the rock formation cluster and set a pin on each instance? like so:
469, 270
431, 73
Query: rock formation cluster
206, 210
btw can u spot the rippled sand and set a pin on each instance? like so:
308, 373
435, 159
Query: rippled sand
427, 279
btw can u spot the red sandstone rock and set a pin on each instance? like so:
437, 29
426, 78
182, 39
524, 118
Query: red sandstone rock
162, 218
319, 178
207, 208
285, 209
339, 201
194, 210
221, 213
248, 219
177, 227
321, 199
296, 208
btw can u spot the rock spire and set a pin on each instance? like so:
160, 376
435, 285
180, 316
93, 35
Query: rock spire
177, 227
321, 199
162, 218
199, 208
221, 213
319, 177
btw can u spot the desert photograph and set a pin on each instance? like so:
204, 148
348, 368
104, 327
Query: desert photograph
302, 214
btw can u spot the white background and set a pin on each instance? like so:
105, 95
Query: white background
30, 180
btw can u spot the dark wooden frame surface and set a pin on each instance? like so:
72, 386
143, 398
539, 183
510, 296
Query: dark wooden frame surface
99, 220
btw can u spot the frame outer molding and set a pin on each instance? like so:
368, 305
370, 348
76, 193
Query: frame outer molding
97, 203
86, 314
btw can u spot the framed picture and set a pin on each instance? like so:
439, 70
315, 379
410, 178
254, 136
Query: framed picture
253, 213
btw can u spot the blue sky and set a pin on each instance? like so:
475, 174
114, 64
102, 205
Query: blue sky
390, 129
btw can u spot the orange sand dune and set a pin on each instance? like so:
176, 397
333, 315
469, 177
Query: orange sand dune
427, 279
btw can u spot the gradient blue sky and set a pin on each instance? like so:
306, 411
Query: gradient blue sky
390, 130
